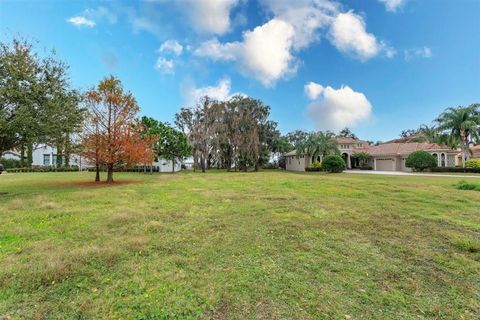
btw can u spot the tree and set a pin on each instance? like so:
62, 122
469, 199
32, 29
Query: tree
420, 160
408, 133
362, 156
20, 72
112, 114
346, 133
296, 136
461, 123
235, 133
37, 104
170, 143
318, 144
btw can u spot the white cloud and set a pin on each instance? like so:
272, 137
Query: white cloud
209, 16
268, 52
393, 5
334, 109
221, 92
424, 52
89, 17
217, 51
306, 16
171, 46
313, 90
80, 21
264, 53
165, 66
348, 34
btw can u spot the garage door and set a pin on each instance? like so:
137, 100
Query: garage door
385, 165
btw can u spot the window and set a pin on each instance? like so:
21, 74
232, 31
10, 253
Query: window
46, 159
442, 157
54, 159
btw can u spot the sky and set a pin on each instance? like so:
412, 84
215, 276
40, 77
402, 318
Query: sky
375, 66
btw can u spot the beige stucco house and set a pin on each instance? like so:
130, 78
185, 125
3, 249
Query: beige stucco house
347, 147
384, 157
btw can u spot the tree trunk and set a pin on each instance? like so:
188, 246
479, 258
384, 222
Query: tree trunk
203, 163
173, 165
22, 155
464, 142
110, 173
97, 173
30, 154
256, 166
151, 168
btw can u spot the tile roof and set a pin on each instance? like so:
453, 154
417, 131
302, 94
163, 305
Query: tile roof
403, 148
348, 140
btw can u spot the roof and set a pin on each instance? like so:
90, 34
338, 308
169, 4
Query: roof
404, 148
291, 153
349, 140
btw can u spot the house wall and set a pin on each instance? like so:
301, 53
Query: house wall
296, 164
164, 165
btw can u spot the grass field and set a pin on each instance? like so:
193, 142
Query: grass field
270, 245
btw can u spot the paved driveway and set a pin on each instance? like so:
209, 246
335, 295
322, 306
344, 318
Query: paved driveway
401, 173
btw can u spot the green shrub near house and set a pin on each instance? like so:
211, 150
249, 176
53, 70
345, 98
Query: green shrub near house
473, 163
333, 164
10, 163
420, 160
315, 166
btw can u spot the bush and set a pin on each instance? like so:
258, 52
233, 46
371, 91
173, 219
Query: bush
473, 163
270, 165
464, 185
420, 160
315, 166
10, 163
43, 169
366, 167
333, 164
455, 169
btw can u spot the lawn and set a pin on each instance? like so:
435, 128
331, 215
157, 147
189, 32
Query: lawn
270, 245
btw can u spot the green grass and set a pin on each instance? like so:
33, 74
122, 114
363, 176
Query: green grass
270, 245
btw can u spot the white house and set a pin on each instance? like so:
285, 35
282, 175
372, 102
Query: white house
44, 156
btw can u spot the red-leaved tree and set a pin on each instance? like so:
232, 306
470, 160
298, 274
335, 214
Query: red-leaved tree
113, 139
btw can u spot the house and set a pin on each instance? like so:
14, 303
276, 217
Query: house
347, 147
392, 156
44, 156
384, 157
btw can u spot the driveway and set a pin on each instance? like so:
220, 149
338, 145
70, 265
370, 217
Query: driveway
401, 173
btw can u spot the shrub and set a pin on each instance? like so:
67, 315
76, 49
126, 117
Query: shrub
455, 169
473, 163
366, 167
420, 160
10, 163
333, 164
43, 169
315, 166
464, 185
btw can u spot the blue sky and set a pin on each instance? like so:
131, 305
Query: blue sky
377, 66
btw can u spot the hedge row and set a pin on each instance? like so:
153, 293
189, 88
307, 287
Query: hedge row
42, 169
455, 169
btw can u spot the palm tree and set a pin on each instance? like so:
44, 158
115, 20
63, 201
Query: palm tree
430, 134
318, 144
462, 123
